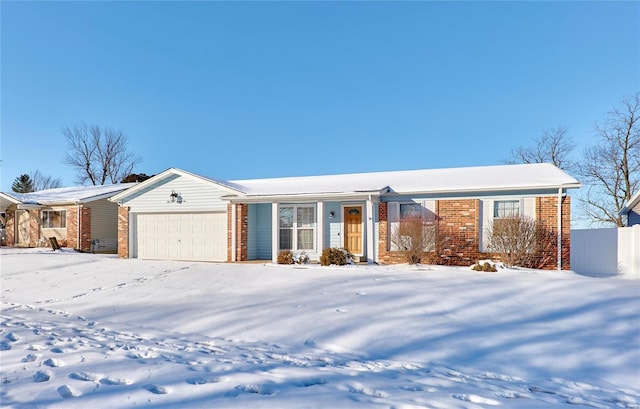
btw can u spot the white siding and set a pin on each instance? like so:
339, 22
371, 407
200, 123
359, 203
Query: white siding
197, 196
104, 225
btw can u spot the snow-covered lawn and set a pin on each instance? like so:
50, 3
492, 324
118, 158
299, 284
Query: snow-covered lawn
92, 331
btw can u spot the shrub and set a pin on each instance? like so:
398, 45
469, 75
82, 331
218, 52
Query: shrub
414, 237
336, 256
514, 239
285, 257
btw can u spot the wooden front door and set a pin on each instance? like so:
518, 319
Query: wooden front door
353, 229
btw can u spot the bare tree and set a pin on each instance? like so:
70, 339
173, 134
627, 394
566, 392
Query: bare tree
43, 182
553, 146
35, 181
610, 169
99, 155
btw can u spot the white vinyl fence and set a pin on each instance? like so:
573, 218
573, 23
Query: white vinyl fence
606, 252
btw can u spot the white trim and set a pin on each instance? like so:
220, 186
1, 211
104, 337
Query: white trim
133, 236
234, 245
320, 226
369, 232
559, 215
294, 236
275, 231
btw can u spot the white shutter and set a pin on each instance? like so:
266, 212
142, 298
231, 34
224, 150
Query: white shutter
428, 210
486, 216
393, 216
429, 216
529, 207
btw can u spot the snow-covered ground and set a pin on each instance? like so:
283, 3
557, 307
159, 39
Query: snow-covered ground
92, 331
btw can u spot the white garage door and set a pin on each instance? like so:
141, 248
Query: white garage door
182, 236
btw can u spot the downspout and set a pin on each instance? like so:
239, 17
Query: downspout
559, 255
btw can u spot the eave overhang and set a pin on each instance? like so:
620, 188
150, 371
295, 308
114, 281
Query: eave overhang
306, 197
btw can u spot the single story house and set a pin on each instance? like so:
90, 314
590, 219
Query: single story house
177, 215
631, 210
78, 217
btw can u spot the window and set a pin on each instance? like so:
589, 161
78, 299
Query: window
506, 208
297, 227
410, 211
53, 219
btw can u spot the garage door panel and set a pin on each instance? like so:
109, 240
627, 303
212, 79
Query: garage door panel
182, 236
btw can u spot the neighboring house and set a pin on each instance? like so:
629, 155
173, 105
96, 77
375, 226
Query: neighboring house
177, 215
631, 211
78, 217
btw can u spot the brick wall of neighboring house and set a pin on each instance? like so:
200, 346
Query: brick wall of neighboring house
242, 232
72, 227
33, 232
34, 227
123, 232
10, 227
85, 228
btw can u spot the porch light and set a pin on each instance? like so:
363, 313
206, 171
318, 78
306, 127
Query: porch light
332, 214
173, 196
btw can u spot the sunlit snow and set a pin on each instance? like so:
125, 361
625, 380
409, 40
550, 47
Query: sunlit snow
93, 331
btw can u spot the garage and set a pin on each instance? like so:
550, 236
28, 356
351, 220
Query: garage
182, 236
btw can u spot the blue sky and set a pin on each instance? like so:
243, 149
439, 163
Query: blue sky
268, 89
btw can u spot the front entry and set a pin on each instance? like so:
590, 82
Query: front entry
353, 229
22, 228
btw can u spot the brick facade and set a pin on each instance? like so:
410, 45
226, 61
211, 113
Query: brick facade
123, 232
547, 214
240, 246
35, 233
458, 224
33, 227
85, 228
10, 227
459, 230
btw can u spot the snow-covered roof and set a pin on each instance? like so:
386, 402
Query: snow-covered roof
466, 179
67, 195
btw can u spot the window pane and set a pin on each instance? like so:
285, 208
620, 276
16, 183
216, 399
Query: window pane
286, 217
305, 216
54, 219
286, 235
305, 239
410, 210
506, 208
